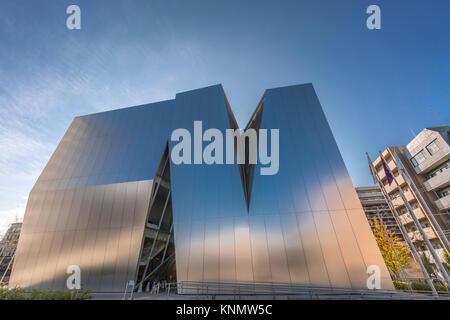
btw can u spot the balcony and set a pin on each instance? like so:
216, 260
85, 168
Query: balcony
392, 187
377, 161
392, 165
439, 252
399, 201
439, 181
416, 236
443, 203
406, 218
401, 181
368, 202
370, 195
409, 196
430, 233
381, 174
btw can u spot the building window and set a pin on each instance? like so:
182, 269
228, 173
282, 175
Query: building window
432, 148
418, 159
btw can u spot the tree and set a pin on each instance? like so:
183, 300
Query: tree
382, 236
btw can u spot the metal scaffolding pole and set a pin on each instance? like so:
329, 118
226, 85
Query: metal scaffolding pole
157, 268
1, 260
411, 183
418, 225
7, 268
411, 245
157, 234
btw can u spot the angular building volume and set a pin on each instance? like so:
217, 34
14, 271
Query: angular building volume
111, 201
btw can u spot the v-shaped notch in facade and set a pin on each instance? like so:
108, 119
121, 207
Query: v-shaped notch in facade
247, 169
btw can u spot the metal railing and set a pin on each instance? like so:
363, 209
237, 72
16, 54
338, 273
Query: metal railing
236, 289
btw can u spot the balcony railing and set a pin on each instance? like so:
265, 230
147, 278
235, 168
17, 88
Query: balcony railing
393, 186
381, 174
392, 165
443, 203
406, 218
416, 236
399, 201
438, 181
216, 290
439, 252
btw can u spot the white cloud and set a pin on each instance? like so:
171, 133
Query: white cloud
37, 105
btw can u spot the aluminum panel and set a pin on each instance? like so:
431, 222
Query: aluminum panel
243, 250
260, 251
227, 268
277, 251
211, 249
196, 251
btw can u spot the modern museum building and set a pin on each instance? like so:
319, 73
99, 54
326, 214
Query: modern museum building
112, 202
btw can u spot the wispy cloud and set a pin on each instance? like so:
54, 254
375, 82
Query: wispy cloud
39, 97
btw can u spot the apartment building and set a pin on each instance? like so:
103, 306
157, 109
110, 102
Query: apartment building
376, 206
426, 160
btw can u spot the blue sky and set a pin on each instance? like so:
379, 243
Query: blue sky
376, 87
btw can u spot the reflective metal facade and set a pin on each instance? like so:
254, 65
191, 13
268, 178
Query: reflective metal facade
90, 205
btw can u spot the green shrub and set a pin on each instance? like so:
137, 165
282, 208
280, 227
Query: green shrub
440, 287
420, 286
35, 294
12, 294
399, 285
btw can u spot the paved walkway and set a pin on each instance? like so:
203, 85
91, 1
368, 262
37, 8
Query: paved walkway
163, 296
